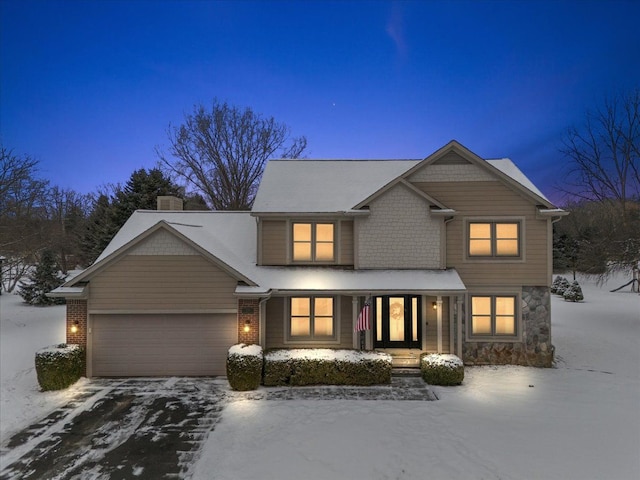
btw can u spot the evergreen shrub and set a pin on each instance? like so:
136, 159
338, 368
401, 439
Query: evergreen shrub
59, 366
559, 285
441, 369
244, 367
299, 367
573, 293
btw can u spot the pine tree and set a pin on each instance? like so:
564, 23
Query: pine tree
559, 285
42, 280
573, 293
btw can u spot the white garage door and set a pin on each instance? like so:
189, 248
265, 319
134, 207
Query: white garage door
161, 345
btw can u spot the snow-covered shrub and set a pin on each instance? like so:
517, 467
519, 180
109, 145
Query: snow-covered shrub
573, 293
441, 369
244, 366
559, 285
59, 366
326, 367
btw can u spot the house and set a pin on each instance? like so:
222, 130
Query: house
452, 253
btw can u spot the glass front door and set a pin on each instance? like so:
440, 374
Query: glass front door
397, 322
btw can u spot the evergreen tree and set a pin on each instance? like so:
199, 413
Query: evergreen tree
573, 293
42, 280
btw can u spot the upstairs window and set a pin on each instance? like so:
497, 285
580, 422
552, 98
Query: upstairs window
313, 242
494, 239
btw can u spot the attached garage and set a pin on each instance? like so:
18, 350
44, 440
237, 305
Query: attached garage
161, 344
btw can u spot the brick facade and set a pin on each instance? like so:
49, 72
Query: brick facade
248, 316
77, 315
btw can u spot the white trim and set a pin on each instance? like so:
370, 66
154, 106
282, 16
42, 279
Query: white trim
459, 302
439, 322
355, 311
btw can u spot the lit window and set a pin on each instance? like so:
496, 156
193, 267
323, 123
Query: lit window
313, 242
312, 317
494, 239
493, 316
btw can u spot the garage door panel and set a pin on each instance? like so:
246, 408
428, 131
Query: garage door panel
161, 345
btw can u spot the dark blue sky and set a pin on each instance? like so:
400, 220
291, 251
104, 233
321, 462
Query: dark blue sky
89, 88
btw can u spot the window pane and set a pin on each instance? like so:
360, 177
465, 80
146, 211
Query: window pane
480, 247
379, 319
324, 232
480, 230
506, 230
301, 232
414, 318
507, 247
323, 326
323, 307
324, 251
481, 325
481, 305
300, 306
505, 306
505, 325
396, 319
302, 251
300, 326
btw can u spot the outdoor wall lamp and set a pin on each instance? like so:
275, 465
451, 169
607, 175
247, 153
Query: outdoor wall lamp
434, 305
74, 327
247, 326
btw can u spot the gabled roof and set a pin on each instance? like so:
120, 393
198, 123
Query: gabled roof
323, 186
228, 239
337, 186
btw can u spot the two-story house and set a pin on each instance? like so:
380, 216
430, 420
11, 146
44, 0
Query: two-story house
451, 253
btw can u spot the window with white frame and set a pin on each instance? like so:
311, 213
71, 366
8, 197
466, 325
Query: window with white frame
311, 318
313, 242
493, 316
494, 239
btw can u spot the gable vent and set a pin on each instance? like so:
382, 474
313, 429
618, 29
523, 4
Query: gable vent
166, 202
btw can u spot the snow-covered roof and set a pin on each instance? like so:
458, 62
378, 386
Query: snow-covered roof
323, 186
310, 279
506, 166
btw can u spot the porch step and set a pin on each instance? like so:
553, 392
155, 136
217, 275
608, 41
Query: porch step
405, 361
405, 372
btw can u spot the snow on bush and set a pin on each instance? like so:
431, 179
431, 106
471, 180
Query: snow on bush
441, 369
59, 366
559, 285
325, 366
573, 293
244, 366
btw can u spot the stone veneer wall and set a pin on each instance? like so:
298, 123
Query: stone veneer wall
535, 349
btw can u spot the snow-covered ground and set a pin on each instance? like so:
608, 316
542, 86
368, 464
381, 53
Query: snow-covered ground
580, 420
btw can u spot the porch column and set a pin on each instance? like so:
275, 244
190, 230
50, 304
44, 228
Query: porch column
459, 301
439, 320
354, 321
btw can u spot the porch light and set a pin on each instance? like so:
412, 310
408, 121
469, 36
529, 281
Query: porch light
74, 327
247, 326
434, 305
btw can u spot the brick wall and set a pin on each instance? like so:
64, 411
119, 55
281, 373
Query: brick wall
77, 312
248, 316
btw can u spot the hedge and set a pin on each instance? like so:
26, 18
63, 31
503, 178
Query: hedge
244, 367
299, 367
59, 366
441, 369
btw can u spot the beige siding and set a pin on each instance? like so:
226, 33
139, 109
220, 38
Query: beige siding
163, 282
275, 318
273, 242
492, 199
430, 332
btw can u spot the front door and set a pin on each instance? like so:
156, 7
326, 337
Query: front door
397, 322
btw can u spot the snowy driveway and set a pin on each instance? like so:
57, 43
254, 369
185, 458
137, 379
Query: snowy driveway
134, 428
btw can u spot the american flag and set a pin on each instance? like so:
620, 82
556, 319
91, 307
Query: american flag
363, 318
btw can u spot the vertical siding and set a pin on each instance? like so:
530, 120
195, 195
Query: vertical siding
493, 199
275, 318
162, 282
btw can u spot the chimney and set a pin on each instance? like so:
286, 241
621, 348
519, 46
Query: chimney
167, 202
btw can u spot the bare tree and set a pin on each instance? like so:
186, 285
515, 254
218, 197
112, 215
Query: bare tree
222, 153
604, 155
